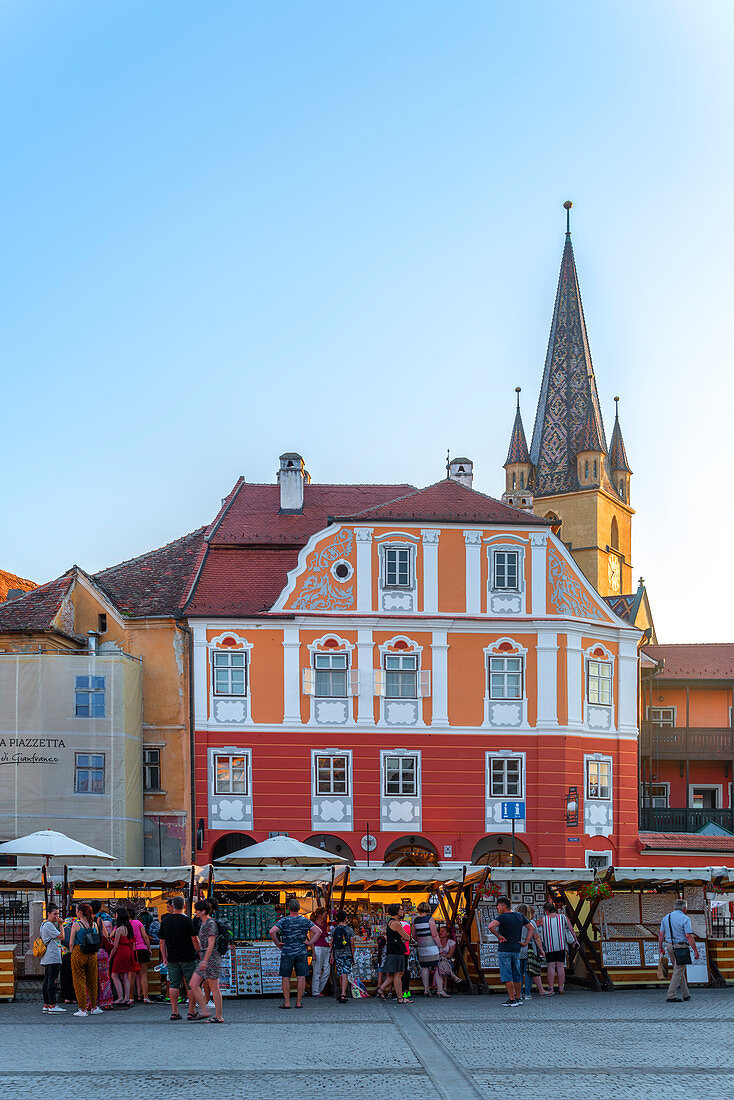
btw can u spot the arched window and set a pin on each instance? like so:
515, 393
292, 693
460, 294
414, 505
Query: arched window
522, 480
586, 469
514, 481
614, 537
621, 489
594, 469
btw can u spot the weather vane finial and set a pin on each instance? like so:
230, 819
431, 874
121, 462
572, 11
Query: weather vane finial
616, 407
448, 462
518, 390
567, 207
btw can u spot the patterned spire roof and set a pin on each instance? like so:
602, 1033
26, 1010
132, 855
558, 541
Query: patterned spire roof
617, 452
568, 396
589, 438
518, 451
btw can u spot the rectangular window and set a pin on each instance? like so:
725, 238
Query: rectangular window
599, 779
663, 717
230, 672
151, 769
655, 796
401, 676
230, 774
89, 692
332, 774
397, 567
704, 798
505, 677
401, 775
89, 773
331, 675
102, 623
599, 679
506, 569
505, 777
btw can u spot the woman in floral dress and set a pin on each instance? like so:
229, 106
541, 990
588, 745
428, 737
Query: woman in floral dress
104, 984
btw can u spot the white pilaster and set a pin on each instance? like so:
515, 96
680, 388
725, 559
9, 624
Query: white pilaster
430, 568
547, 680
575, 681
440, 679
201, 661
473, 543
627, 687
363, 537
365, 699
291, 676
538, 571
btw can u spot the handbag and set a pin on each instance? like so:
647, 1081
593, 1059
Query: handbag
663, 967
136, 961
39, 947
681, 951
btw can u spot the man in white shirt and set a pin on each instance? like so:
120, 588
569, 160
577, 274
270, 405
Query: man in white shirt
676, 931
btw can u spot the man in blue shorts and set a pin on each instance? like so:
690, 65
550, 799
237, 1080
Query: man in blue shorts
294, 935
509, 928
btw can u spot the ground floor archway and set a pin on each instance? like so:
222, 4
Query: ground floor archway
496, 851
332, 844
411, 851
230, 842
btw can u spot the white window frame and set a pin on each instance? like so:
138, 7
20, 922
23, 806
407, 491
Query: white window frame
92, 693
90, 768
229, 651
147, 788
648, 800
386, 755
246, 755
609, 662
506, 656
718, 788
402, 672
423, 676
399, 548
330, 655
597, 855
652, 711
331, 754
518, 565
597, 760
504, 759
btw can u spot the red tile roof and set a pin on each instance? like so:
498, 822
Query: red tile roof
687, 842
242, 581
445, 502
695, 661
9, 581
154, 583
251, 513
37, 609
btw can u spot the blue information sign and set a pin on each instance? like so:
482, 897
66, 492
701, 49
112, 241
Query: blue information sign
513, 811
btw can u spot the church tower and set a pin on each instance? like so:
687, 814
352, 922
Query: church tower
572, 475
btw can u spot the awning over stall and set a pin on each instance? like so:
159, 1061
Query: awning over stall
270, 876
631, 875
128, 876
21, 878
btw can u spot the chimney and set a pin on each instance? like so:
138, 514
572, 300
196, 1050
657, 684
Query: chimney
93, 639
461, 470
292, 476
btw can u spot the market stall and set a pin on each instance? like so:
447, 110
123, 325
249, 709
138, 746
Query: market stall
17, 886
137, 887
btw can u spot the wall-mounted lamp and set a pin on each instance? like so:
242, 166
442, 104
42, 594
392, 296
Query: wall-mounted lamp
572, 808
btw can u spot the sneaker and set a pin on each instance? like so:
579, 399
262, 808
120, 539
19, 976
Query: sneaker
55, 1008
80, 1013
44, 1009
508, 1004
96, 1011
517, 1004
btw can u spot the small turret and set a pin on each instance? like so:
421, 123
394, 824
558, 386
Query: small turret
590, 453
619, 468
518, 467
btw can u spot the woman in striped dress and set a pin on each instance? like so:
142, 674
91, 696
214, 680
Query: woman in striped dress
554, 929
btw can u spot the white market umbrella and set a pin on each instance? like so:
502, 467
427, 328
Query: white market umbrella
49, 844
281, 851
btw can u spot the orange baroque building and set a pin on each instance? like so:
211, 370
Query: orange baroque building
377, 666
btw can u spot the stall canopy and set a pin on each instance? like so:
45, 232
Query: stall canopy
21, 878
556, 875
630, 875
128, 876
270, 876
281, 851
403, 878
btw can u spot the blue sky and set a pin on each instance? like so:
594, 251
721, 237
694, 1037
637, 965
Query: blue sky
231, 229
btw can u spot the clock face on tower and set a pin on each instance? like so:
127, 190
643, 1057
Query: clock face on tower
614, 572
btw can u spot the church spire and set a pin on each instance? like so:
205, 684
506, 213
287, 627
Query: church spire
617, 453
518, 450
568, 395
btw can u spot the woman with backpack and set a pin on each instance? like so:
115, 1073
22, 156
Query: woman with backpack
342, 952
122, 959
84, 943
210, 963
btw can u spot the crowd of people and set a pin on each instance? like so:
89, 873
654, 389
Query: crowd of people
101, 960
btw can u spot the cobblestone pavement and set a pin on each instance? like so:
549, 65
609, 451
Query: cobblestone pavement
622, 1044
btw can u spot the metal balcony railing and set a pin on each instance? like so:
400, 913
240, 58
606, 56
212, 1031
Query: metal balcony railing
683, 820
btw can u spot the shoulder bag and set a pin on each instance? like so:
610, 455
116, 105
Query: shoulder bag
681, 951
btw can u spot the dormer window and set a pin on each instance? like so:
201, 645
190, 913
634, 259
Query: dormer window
397, 560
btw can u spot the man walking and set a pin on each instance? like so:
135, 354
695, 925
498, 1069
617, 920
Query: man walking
293, 935
180, 952
509, 928
676, 939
